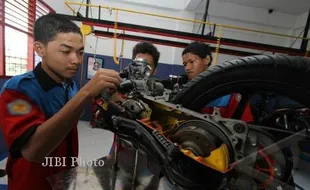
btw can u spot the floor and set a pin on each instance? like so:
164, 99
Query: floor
96, 143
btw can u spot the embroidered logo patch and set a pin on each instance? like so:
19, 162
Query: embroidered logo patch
19, 107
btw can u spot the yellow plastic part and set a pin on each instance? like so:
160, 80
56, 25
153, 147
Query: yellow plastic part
218, 160
86, 29
115, 38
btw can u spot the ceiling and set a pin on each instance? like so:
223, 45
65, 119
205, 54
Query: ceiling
295, 7
164, 4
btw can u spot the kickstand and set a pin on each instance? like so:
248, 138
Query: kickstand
135, 170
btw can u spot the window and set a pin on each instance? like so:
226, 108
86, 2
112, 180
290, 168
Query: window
16, 14
41, 10
19, 17
16, 51
17, 28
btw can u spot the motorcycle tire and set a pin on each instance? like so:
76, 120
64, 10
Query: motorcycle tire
278, 73
285, 75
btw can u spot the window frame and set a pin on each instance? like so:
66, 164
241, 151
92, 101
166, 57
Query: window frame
32, 10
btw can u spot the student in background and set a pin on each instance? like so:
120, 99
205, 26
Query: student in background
197, 58
148, 51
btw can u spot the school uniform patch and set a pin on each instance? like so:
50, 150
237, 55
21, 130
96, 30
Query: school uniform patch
19, 107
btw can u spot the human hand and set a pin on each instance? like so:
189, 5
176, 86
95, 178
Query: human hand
103, 79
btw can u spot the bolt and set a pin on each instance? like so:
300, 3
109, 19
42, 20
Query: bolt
253, 140
234, 141
239, 128
253, 143
277, 171
114, 120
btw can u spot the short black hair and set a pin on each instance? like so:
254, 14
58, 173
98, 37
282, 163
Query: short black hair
148, 48
200, 49
48, 26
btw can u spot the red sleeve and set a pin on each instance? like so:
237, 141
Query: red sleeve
227, 112
19, 119
233, 103
247, 114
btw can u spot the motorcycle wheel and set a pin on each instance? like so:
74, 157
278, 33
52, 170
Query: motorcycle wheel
283, 75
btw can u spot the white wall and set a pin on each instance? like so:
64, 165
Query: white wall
105, 46
170, 4
298, 30
221, 12
59, 6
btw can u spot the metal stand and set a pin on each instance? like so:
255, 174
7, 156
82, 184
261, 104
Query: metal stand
115, 164
135, 170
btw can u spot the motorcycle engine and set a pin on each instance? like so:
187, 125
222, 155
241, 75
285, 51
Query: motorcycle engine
204, 151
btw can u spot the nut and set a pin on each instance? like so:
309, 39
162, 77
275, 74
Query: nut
239, 128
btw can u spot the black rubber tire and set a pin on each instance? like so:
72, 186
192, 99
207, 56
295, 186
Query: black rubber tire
281, 74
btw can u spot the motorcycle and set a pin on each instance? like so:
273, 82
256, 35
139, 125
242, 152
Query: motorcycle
193, 150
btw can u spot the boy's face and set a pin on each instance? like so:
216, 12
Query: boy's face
63, 55
194, 65
149, 59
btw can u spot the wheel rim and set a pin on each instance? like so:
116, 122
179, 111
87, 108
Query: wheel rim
247, 86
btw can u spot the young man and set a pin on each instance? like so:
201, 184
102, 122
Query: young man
144, 50
129, 157
197, 58
148, 51
40, 109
